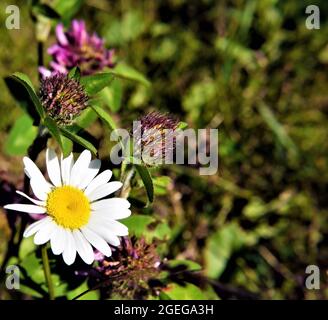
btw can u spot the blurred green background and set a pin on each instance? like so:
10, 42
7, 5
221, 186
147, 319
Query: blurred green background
254, 71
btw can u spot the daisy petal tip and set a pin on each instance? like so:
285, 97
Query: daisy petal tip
128, 214
86, 152
68, 260
69, 263
89, 262
26, 235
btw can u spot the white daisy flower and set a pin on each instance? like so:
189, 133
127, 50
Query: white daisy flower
75, 216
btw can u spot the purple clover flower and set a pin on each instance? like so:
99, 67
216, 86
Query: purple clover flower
155, 138
129, 272
76, 47
63, 98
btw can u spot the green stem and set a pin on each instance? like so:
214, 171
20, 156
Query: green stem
127, 182
47, 272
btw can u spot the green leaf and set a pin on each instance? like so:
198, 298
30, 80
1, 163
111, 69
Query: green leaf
278, 129
60, 286
67, 8
255, 208
26, 247
124, 71
67, 146
26, 82
81, 141
182, 125
23, 92
147, 226
29, 291
21, 136
162, 231
199, 95
112, 95
105, 117
137, 224
96, 82
126, 28
33, 266
189, 291
210, 293
34, 276
45, 10
86, 118
75, 73
91, 295
147, 181
191, 265
221, 245
161, 185
54, 130
245, 56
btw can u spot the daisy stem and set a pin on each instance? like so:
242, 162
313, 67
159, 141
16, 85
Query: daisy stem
47, 272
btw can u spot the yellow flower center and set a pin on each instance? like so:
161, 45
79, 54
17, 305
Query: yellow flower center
69, 207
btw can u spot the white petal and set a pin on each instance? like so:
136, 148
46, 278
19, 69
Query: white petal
116, 214
37, 202
32, 170
122, 230
58, 240
90, 173
80, 167
110, 204
104, 190
26, 172
66, 167
112, 226
117, 227
29, 208
53, 167
44, 234
98, 242
40, 189
83, 247
104, 232
101, 179
39, 184
35, 227
69, 253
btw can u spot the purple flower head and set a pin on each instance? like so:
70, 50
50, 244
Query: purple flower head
155, 138
76, 47
63, 98
130, 270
